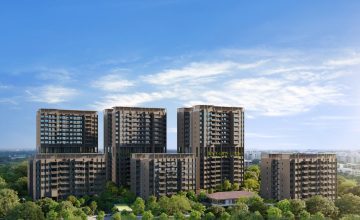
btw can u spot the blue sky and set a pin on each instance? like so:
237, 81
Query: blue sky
293, 65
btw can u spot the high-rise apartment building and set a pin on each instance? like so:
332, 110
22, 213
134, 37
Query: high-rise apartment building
67, 160
129, 130
161, 174
215, 135
66, 131
298, 176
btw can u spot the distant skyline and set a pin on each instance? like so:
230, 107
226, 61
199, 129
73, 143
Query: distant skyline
293, 65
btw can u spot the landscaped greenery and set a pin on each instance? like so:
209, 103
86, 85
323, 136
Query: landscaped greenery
122, 204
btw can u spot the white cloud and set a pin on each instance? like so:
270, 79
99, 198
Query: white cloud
112, 83
55, 74
8, 101
135, 99
271, 83
51, 94
349, 61
198, 70
271, 97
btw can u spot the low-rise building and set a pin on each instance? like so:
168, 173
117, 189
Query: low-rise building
228, 198
298, 176
162, 174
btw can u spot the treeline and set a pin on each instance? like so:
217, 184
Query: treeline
14, 176
14, 203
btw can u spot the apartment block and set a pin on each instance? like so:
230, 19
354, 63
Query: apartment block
66, 131
129, 130
67, 160
298, 176
161, 174
215, 135
60, 175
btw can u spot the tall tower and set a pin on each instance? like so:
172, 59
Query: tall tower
215, 135
67, 161
129, 130
66, 131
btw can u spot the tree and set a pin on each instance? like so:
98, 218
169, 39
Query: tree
93, 207
27, 210
255, 169
87, 210
174, 204
255, 216
52, 215
355, 190
65, 209
323, 205
79, 213
197, 206
318, 216
274, 213
20, 186
192, 196
296, 206
8, 200
130, 216
289, 215
100, 215
163, 216
179, 216
345, 185
250, 175
256, 203
202, 196
2, 183
138, 206
225, 216
128, 196
284, 205
351, 217
210, 216
152, 205
72, 199
216, 210
47, 204
235, 187
348, 204
147, 215
195, 215
82, 201
239, 207
252, 184
304, 215
226, 185
116, 216
112, 188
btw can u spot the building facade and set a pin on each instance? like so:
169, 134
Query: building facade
161, 174
66, 131
60, 175
215, 135
67, 161
129, 130
298, 176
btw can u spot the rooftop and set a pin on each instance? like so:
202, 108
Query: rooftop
230, 195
